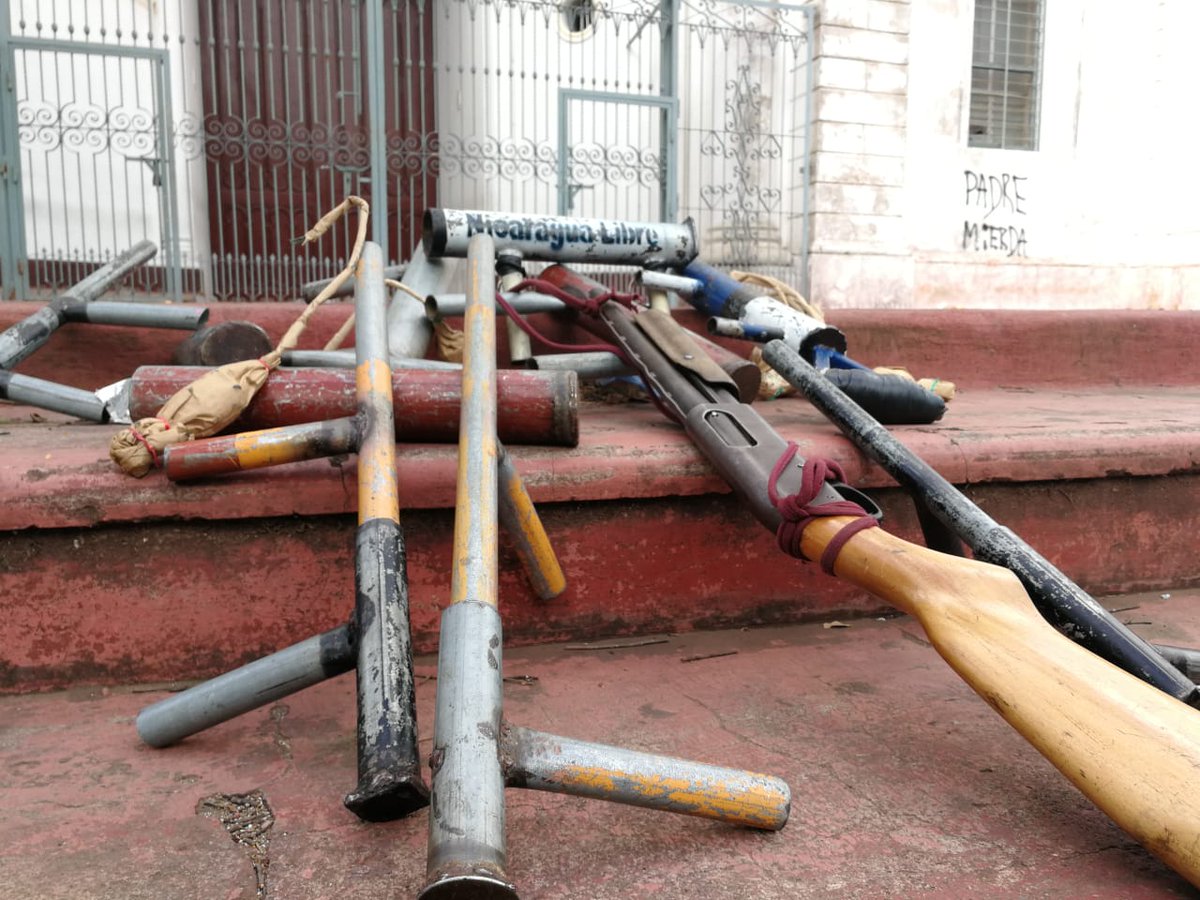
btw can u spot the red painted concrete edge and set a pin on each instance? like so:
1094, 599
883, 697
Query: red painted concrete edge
54, 476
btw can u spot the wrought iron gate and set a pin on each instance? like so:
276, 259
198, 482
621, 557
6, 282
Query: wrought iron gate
261, 114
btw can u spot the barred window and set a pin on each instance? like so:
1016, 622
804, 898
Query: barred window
1005, 74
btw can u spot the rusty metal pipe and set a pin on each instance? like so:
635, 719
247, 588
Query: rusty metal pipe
534, 407
260, 449
520, 519
549, 762
467, 853
390, 784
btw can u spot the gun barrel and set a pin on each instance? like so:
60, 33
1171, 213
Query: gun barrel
447, 232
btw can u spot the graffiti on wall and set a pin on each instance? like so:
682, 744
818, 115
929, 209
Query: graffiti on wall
995, 207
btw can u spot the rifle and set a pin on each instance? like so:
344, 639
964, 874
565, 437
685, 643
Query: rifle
1131, 749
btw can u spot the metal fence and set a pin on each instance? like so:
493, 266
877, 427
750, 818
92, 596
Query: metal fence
221, 129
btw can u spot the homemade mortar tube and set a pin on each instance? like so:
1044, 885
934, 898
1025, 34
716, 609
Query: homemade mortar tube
467, 854
446, 232
390, 784
534, 407
475, 752
1057, 598
23, 338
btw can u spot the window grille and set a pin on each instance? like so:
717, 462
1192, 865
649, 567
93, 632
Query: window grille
1006, 74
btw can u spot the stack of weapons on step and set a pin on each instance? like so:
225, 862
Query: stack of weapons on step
1113, 713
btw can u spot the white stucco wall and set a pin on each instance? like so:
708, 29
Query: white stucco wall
906, 214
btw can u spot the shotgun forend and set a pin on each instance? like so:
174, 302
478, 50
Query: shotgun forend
446, 232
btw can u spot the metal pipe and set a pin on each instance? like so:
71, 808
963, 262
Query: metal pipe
344, 359
260, 449
735, 328
511, 273
446, 232
588, 366
390, 784
53, 396
26, 336
535, 407
466, 824
520, 519
448, 305
653, 279
279, 446
1056, 597
310, 289
562, 765
136, 315
253, 685
409, 331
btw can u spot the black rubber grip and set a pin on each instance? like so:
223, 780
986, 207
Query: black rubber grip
891, 400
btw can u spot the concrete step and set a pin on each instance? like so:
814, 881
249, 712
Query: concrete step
1080, 433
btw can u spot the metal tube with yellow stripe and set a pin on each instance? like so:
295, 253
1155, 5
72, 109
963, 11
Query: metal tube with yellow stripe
389, 769
475, 752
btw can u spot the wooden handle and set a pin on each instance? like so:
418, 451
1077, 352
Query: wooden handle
1133, 750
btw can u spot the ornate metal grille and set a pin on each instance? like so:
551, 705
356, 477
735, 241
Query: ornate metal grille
222, 128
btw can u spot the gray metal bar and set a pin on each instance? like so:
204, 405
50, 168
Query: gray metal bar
137, 315
562, 765
14, 261
390, 784
652, 279
49, 395
524, 302
564, 239
310, 289
805, 237
253, 685
466, 824
23, 338
377, 119
589, 366
344, 359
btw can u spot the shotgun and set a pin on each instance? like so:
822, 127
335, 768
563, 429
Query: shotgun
1131, 749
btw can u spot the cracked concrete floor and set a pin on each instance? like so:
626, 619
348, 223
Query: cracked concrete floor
904, 783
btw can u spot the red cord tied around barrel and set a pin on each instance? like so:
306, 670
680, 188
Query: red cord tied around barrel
797, 513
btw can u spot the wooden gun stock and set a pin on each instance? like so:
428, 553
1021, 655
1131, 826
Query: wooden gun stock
1133, 750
